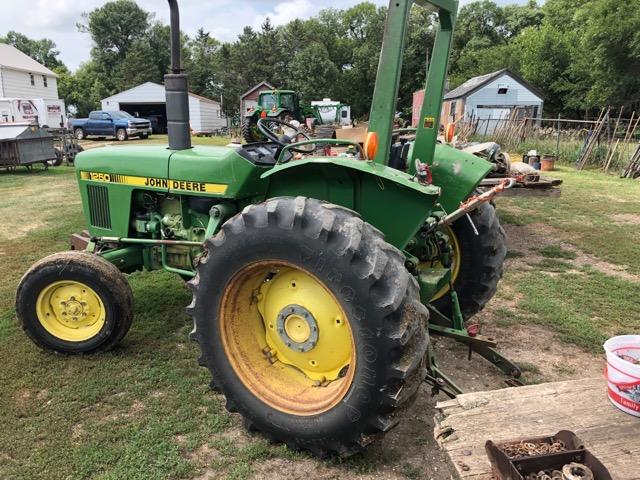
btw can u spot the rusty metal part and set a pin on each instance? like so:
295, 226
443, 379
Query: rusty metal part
474, 202
529, 449
79, 241
629, 358
576, 471
545, 475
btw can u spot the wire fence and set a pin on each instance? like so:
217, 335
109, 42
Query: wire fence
608, 142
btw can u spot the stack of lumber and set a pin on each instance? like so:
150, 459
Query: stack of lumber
593, 139
632, 170
464, 424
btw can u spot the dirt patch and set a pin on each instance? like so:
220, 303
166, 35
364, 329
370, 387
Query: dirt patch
627, 218
529, 239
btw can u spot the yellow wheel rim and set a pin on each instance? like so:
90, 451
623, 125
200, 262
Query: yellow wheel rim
287, 338
455, 262
70, 311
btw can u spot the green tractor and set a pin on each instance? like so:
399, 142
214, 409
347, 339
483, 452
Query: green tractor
316, 280
272, 104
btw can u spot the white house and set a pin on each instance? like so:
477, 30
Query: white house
22, 77
491, 98
148, 100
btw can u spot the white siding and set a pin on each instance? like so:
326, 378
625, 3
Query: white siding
17, 84
146, 93
194, 115
210, 118
204, 115
517, 95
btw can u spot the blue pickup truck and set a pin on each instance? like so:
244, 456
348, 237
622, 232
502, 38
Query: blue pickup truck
121, 125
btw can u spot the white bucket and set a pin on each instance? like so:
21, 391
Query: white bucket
623, 377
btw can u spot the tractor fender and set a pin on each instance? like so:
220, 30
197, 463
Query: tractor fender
457, 173
390, 200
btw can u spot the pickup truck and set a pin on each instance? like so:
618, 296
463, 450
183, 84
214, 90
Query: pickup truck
121, 125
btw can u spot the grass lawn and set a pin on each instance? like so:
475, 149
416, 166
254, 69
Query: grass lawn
145, 409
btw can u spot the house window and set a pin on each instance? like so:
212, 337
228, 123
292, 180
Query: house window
44, 81
503, 89
452, 111
32, 79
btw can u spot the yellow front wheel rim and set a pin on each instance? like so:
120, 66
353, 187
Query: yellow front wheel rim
70, 311
455, 262
287, 338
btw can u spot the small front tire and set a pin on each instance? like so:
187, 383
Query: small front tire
74, 302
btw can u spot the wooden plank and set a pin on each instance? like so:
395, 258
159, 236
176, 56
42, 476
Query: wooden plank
464, 424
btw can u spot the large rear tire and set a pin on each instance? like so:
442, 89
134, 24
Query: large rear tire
310, 325
478, 261
250, 131
74, 302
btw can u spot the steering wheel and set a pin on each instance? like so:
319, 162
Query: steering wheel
265, 124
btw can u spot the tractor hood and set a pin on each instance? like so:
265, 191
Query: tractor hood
200, 171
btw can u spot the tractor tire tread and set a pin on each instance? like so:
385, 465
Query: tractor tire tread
391, 288
109, 274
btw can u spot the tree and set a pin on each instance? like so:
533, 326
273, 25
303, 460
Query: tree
203, 77
314, 75
43, 51
114, 28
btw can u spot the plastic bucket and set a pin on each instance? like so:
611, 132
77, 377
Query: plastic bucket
623, 377
548, 163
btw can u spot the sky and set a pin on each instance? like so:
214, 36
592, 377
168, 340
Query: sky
57, 19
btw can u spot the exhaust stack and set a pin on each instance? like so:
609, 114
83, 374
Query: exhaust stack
177, 90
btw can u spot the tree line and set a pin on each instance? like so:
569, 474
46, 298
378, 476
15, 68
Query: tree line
583, 54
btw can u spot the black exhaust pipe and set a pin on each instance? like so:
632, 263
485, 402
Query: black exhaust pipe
177, 90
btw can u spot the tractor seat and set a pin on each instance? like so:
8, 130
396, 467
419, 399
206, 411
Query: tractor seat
398, 155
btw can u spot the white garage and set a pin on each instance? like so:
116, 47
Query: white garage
148, 101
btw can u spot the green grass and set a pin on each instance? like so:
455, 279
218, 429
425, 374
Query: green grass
556, 251
585, 308
156, 139
145, 409
583, 215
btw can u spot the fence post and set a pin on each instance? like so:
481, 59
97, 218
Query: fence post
558, 140
487, 126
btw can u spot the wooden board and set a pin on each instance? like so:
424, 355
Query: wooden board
464, 424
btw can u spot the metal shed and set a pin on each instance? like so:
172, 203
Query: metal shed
148, 100
24, 144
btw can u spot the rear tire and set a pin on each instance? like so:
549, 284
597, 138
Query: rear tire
482, 261
367, 280
250, 131
74, 302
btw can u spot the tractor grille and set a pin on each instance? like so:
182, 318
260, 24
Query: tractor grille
99, 206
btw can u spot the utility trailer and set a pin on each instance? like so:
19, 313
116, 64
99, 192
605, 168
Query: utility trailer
24, 145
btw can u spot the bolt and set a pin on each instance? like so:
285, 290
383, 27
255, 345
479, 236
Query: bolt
64, 304
301, 349
280, 330
288, 344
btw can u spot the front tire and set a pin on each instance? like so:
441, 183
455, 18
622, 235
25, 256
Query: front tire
121, 134
310, 325
79, 133
74, 302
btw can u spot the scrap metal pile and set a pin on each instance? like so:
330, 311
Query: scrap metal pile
525, 175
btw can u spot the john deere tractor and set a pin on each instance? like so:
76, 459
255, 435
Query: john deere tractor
316, 280
279, 104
